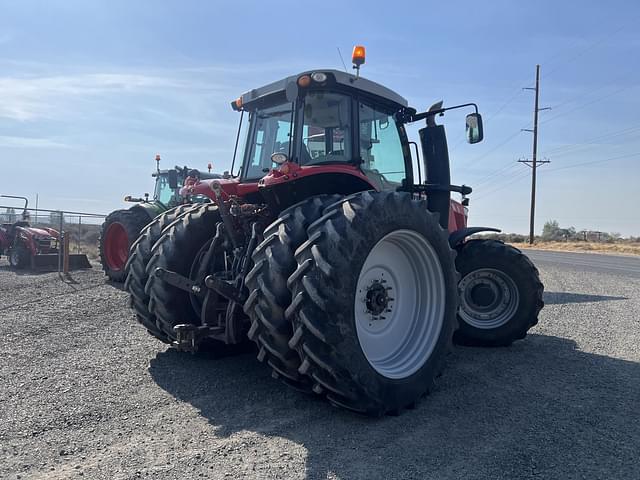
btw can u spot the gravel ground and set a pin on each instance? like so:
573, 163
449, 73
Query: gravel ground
86, 393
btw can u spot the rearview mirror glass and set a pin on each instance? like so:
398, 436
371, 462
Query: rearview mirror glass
172, 178
475, 133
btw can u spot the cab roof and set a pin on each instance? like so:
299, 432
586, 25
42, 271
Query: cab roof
336, 77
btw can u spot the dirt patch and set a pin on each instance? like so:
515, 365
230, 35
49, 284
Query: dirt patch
594, 247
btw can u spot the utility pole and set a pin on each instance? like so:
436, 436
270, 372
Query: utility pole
533, 163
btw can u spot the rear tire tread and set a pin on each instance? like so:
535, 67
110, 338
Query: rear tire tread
318, 336
175, 250
269, 297
136, 268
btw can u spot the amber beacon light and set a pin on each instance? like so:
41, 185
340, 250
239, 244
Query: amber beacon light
357, 58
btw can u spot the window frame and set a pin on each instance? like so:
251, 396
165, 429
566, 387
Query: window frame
248, 152
299, 126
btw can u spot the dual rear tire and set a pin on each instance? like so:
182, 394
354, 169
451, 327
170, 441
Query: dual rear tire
372, 300
355, 299
136, 268
176, 250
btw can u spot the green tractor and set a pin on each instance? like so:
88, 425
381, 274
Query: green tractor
122, 227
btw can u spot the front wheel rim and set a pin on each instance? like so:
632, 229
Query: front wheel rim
399, 304
116, 246
489, 298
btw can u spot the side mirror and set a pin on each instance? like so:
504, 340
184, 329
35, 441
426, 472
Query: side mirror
475, 133
172, 178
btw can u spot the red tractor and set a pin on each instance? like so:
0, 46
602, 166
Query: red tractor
31, 247
350, 272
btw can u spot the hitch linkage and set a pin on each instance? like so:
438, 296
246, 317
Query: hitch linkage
189, 336
176, 280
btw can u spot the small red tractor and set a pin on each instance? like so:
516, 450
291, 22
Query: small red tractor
34, 248
122, 227
351, 272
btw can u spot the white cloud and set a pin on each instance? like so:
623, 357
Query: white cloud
34, 97
30, 142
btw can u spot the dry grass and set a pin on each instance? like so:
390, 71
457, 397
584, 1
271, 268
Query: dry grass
594, 247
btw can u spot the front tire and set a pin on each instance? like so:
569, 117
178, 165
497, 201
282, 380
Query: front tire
118, 232
500, 294
374, 302
19, 257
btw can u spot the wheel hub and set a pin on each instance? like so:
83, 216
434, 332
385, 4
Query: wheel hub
377, 299
399, 303
484, 295
488, 298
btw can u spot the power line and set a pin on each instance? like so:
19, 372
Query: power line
592, 162
497, 173
517, 179
500, 145
588, 103
561, 150
586, 49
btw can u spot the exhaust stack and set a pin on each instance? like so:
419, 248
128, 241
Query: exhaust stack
435, 154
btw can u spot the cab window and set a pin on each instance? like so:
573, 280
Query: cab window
326, 134
380, 148
270, 133
163, 192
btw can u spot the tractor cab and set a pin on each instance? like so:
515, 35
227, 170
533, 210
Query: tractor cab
326, 123
327, 131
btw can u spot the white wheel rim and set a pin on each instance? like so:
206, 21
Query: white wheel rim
492, 308
398, 340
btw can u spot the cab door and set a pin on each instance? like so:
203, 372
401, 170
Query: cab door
381, 149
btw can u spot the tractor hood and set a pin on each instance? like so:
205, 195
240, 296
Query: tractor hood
43, 232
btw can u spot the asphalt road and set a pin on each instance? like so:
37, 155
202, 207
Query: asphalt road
593, 262
86, 393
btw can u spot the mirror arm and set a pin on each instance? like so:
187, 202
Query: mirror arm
411, 116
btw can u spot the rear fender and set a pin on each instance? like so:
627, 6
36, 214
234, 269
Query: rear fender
282, 190
457, 237
152, 209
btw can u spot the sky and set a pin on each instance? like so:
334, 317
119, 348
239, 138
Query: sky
90, 91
